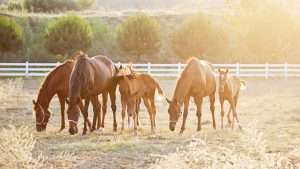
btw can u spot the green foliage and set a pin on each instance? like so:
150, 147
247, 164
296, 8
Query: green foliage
68, 34
57, 5
139, 35
15, 5
104, 39
11, 35
199, 36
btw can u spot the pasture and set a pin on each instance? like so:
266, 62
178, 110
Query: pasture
271, 105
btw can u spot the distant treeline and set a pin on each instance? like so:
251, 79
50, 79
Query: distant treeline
268, 32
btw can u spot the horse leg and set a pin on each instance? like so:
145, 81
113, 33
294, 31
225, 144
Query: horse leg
82, 109
123, 102
235, 113
185, 113
198, 102
137, 109
85, 114
222, 111
96, 109
112, 95
153, 107
135, 123
212, 108
232, 108
147, 104
228, 115
62, 111
104, 109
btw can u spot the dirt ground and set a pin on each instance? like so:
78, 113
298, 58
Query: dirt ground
274, 103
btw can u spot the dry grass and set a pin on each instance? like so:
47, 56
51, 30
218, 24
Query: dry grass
249, 153
16, 149
273, 142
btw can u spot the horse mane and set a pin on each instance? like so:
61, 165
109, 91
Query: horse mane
43, 91
183, 84
78, 75
189, 64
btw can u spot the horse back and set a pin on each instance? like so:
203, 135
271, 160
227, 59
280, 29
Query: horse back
204, 79
235, 84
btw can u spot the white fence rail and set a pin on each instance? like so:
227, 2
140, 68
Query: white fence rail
162, 70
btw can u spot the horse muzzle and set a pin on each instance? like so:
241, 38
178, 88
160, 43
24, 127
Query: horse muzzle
73, 130
172, 126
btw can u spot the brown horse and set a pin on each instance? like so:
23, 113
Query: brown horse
132, 88
56, 82
197, 80
229, 89
89, 78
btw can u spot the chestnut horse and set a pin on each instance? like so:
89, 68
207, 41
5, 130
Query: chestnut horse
197, 80
132, 88
89, 78
56, 82
229, 89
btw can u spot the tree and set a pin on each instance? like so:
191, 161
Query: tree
11, 35
139, 35
199, 36
68, 34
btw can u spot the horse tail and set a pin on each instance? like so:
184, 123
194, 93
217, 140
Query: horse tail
159, 90
243, 85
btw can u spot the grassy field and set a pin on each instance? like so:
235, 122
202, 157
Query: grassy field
270, 106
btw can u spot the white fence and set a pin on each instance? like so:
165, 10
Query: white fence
163, 70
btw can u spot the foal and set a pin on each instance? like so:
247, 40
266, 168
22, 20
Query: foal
229, 89
132, 88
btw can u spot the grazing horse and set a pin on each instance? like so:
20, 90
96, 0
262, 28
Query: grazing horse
56, 82
229, 89
132, 88
196, 80
89, 78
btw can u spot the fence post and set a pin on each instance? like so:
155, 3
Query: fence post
179, 68
26, 69
238, 69
266, 70
285, 70
149, 68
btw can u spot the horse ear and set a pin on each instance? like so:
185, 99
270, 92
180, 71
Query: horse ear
169, 101
120, 67
227, 70
67, 101
34, 102
219, 70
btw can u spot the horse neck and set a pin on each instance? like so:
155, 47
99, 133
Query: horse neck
45, 96
182, 88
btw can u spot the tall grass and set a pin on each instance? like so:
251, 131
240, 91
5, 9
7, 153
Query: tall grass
16, 149
248, 153
16, 145
10, 90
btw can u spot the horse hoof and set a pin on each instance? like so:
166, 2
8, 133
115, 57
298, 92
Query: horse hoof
101, 130
115, 132
181, 132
